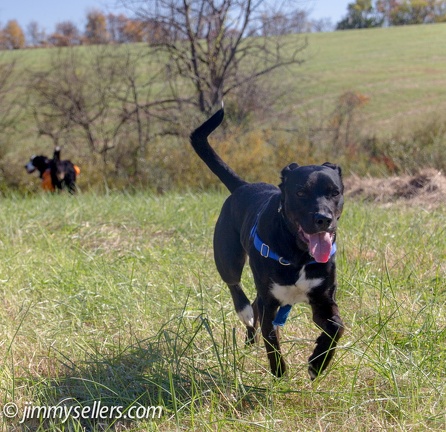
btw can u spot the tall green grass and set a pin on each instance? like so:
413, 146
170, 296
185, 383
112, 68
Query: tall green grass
115, 299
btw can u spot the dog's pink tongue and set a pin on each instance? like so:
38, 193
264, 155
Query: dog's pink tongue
320, 246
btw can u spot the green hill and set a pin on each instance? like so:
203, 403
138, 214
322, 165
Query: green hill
401, 69
370, 99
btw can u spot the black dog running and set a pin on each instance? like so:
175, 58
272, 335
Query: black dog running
54, 173
288, 233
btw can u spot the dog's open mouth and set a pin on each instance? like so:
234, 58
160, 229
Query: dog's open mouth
319, 244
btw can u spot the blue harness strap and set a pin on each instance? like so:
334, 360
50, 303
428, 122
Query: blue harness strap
281, 316
264, 249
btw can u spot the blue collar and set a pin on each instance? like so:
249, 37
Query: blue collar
266, 251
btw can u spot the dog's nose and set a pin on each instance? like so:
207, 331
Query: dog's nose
322, 221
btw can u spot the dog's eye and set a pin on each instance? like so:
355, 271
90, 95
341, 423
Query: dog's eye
300, 193
335, 193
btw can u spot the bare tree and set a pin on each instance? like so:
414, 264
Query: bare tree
99, 99
66, 34
96, 28
116, 26
322, 25
217, 45
36, 34
281, 23
75, 95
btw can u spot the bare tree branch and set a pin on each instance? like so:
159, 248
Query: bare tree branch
217, 46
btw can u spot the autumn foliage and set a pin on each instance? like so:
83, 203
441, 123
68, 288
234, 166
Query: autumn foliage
12, 36
99, 29
153, 27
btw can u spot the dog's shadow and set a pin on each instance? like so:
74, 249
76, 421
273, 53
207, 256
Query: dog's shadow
179, 370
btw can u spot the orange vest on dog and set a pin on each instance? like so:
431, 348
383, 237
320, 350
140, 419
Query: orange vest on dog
47, 184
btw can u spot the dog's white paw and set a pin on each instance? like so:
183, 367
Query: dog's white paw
312, 373
246, 316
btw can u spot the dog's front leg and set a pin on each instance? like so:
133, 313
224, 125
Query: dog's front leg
267, 313
326, 316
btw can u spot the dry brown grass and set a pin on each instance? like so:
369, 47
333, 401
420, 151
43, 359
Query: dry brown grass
426, 189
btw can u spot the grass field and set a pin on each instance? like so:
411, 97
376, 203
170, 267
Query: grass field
114, 299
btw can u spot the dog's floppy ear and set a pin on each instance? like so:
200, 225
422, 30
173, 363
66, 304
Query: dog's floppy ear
334, 167
286, 171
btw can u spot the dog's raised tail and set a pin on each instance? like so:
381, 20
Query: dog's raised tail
56, 154
200, 143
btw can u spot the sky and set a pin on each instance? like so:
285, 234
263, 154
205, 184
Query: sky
47, 13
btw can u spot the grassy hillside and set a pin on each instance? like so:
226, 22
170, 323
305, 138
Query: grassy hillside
398, 75
115, 299
401, 69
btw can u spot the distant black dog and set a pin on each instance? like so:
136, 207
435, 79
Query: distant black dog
55, 173
288, 233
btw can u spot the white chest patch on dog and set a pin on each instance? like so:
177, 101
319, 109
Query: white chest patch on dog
297, 293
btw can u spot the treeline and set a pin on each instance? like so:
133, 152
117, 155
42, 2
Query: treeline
384, 13
102, 28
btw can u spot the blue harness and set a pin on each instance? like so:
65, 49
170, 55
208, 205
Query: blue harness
266, 252
264, 249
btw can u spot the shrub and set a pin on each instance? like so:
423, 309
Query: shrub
411, 150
